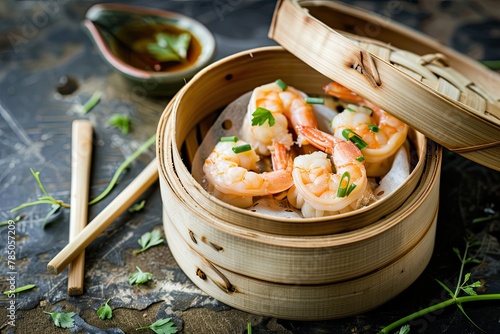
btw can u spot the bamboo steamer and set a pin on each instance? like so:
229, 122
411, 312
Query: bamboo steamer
308, 269
331, 267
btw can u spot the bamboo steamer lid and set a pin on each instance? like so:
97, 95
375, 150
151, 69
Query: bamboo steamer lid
447, 96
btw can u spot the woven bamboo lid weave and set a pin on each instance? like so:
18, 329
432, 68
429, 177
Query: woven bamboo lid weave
447, 96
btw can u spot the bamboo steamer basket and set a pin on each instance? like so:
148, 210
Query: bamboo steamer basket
308, 269
332, 267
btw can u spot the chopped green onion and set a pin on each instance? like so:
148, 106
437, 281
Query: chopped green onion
360, 159
351, 188
281, 84
241, 148
233, 139
355, 138
370, 109
91, 103
350, 109
373, 128
345, 191
315, 100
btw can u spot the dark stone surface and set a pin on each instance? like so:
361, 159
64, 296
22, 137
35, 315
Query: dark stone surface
42, 41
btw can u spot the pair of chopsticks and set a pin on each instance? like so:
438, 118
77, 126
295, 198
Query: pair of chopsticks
80, 234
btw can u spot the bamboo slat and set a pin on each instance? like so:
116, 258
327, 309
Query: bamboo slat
448, 117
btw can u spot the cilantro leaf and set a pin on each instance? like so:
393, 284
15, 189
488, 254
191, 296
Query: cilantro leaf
61, 319
170, 47
148, 240
162, 326
121, 122
105, 311
261, 115
139, 277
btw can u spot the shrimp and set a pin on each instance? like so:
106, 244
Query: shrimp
383, 133
287, 106
233, 179
318, 190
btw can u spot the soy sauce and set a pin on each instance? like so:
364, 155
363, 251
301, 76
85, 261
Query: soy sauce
137, 35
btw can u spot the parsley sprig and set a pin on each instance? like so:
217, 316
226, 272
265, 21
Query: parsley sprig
62, 319
121, 122
463, 286
170, 47
105, 311
261, 115
148, 240
162, 326
139, 277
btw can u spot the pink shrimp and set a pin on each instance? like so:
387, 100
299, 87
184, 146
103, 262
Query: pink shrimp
383, 133
231, 175
288, 106
320, 191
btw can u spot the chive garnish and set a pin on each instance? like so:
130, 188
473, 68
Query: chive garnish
345, 191
373, 128
360, 159
241, 148
371, 110
91, 103
233, 139
355, 138
315, 100
350, 109
281, 84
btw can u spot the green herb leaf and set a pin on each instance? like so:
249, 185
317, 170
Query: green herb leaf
162, 326
261, 115
137, 206
105, 311
241, 148
63, 320
148, 240
170, 47
121, 122
139, 277
20, 289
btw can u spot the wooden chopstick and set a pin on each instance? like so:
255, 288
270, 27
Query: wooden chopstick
80, 176
123, 201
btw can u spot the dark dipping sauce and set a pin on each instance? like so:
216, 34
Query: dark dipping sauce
140, 34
